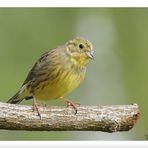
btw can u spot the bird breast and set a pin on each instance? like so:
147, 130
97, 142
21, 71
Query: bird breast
60, 81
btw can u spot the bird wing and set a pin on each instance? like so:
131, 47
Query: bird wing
40, 65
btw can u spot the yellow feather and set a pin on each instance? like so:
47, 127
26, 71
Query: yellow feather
57, 72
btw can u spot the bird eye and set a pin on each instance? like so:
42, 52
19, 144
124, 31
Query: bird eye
81, 46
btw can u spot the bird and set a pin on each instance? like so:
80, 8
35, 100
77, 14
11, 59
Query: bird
56, 73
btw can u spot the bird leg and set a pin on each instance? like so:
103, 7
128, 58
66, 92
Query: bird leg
36, 107
71, 103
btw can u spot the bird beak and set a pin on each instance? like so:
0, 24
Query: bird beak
90, 54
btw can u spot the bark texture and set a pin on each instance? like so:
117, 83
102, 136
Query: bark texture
88, 118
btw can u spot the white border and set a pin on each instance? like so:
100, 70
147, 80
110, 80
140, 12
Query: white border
72, 144
73, 3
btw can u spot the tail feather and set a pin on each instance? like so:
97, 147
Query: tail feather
17, 98
20, 96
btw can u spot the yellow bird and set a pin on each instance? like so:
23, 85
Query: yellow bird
56, 73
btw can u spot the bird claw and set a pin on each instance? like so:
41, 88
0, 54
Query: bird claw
36, 108
73, 105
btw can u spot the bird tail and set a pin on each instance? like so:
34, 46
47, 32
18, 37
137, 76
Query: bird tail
19, 97
15, 99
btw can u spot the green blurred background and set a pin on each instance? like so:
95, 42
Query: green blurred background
118, 75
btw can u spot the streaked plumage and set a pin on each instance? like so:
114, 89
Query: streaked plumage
57, 72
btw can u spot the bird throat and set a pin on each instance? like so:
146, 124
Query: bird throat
79, 62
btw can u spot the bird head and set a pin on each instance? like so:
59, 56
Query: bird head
79, 51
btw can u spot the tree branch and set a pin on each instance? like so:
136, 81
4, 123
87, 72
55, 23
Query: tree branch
89, 118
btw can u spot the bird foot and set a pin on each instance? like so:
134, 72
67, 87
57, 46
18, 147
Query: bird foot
71, 103
36, 108
74, 105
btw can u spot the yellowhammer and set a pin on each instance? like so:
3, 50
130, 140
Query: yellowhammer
56, 73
